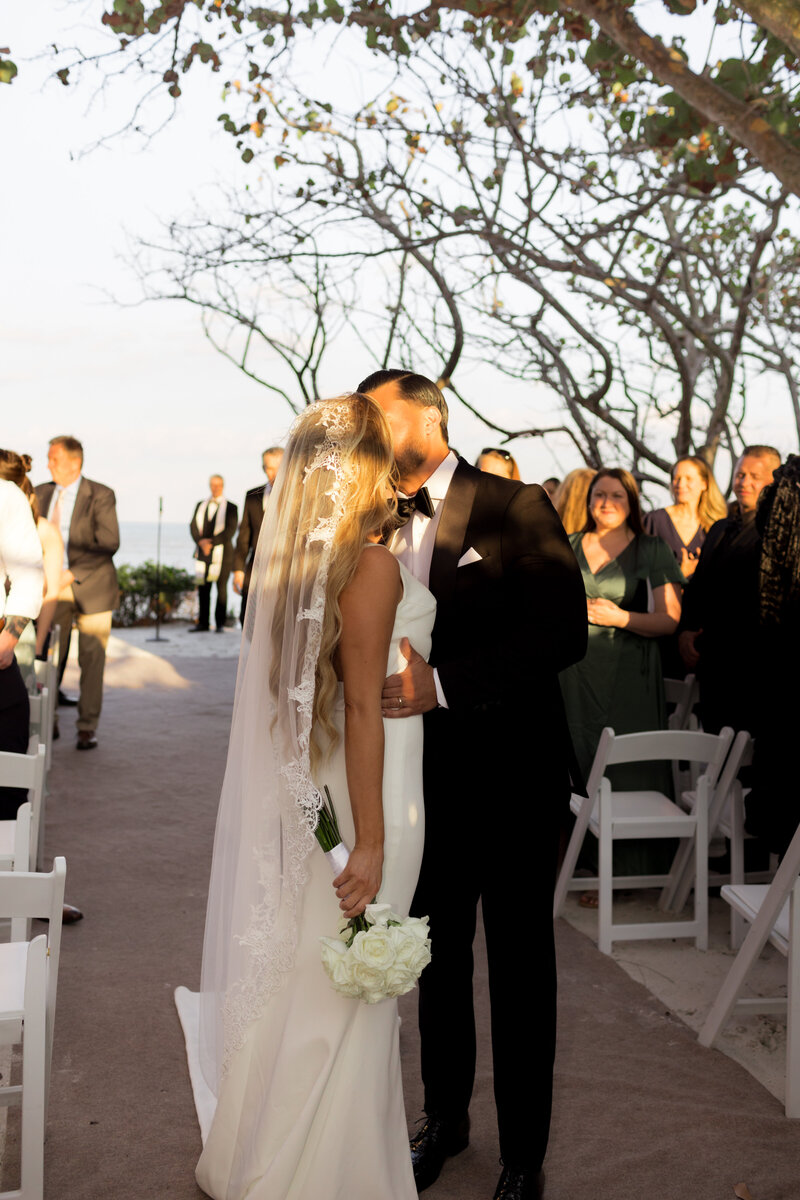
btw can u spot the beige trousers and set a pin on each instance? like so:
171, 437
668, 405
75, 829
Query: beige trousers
93, 633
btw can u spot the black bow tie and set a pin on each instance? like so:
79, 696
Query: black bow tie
420, 502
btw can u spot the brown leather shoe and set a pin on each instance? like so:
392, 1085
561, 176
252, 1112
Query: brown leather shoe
71, 914
87, 739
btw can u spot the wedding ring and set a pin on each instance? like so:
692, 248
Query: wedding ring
400, 702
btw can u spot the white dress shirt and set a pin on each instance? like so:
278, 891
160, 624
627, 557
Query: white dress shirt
265, 497
413, 543
68, 495
20, 554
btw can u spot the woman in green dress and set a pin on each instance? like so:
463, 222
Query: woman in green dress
633, 596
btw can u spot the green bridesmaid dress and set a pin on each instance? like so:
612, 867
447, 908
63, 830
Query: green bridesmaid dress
619, 682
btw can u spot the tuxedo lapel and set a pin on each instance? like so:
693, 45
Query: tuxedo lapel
452, 530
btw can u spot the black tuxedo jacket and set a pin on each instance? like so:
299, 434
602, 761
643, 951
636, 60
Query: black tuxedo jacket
505, 626
249, 529
224, 539
93, 540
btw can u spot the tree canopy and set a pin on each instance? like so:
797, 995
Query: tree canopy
739, 108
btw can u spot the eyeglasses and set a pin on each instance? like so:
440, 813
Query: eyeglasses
494, 450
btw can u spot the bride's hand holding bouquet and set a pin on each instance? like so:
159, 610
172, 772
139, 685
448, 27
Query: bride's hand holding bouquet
360, 881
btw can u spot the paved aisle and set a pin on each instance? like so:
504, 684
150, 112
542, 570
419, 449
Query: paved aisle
641, 1110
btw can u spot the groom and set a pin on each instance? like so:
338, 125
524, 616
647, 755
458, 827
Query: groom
511, 613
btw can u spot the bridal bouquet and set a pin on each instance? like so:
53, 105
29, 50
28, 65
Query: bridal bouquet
375, 955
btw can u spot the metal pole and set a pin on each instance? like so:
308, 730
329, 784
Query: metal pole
158, 637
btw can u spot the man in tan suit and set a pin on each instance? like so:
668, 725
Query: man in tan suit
85, 512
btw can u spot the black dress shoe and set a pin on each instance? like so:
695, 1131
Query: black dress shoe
198, 629
86, 740
520, 1185
71, 914
436, 1141
67, 701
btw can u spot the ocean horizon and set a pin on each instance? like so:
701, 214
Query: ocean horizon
139, 542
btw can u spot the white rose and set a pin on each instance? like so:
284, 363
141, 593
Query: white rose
410, 951
374, 947
399, 980
368, 980
336, 965
418, 926
380, 914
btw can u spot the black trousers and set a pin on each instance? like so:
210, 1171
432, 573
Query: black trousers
491, 835
204, 601
15, 714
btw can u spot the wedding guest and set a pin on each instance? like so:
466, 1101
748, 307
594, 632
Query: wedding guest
15, 467
22, 573
213, 526
497, 462
698, 504
551, 485
619, 682
719, 626
255, 502
570, 498
85, 514
683, 526
509, 616
772, 805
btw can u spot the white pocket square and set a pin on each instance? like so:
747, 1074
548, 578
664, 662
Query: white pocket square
469, 556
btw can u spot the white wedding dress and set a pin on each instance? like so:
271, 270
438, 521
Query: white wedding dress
312, 1105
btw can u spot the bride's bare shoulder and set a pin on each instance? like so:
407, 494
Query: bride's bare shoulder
378, 571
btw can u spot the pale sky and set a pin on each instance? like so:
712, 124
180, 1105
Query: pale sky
157, 408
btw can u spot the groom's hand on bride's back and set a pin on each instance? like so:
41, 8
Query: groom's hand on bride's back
413, 690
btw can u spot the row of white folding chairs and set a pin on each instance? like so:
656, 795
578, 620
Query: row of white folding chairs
28, 989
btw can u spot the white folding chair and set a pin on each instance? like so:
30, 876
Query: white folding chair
676, 892
28, 985
22, 771
39, 711
684, 694
622, 815
47, 677
773, 911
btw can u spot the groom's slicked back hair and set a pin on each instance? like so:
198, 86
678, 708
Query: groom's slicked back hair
417, 389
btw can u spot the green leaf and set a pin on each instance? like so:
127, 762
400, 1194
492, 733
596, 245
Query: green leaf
8, 70
247, 155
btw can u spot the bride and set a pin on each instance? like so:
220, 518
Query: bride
309, 1101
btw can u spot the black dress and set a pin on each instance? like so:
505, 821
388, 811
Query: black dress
659, 524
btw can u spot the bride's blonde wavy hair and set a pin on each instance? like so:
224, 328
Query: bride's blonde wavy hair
335, 488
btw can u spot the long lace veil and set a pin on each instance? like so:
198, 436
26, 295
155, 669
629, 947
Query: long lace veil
269, 803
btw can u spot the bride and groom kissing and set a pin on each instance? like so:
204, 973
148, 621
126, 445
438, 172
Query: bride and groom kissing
475, 603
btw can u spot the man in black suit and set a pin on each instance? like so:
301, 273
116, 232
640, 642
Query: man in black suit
213, 526
511, 613
255, 503
86, 514
719, 633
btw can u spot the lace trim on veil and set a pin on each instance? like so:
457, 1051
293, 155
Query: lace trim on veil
271, 934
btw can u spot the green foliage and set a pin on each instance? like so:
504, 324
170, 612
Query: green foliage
8, 70
139, 597
251, 41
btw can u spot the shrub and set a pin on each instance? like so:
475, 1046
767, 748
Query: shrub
138, 595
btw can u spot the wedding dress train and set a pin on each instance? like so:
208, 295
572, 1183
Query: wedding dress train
312, 1105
